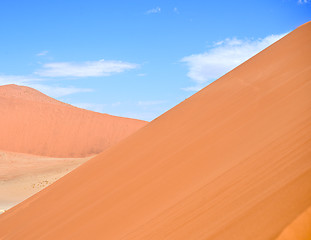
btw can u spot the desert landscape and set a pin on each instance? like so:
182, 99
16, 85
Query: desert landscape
230, 162
155, 120
43, 139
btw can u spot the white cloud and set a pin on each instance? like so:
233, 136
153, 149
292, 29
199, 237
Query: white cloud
303, 1
37, 83
223, 57
55, 91
154, 10
149, 103
84, 69
15, 79
141, 74
43, 53
175, 9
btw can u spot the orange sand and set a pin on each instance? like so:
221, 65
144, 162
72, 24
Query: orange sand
34, 123
230, 163
300, 229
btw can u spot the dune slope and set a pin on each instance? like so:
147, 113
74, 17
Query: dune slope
230, 163
300, 229
34, 123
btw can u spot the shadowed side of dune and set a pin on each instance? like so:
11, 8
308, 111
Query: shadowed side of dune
232, 162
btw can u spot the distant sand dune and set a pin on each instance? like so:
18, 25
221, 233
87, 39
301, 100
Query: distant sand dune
232, 162
34, 123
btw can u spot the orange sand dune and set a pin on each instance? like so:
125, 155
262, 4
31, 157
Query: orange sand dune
233, 162
300, 229
34, 123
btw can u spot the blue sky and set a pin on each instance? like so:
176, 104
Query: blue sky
135, 58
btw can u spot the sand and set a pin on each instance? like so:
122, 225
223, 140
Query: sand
34, 123
63, 135
23, 175
232, 162
300, 229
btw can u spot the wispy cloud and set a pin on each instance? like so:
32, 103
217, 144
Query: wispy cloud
56, 91
149, 103
303, 1
225, 55
175, 9
16, 79
38, 83
43, 53
153, 10
84, 69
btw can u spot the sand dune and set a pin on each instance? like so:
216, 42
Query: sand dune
34, 123
300, 229
230, 163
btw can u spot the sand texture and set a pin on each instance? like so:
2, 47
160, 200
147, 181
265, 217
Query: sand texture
22, 175
232, 162
34, 123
